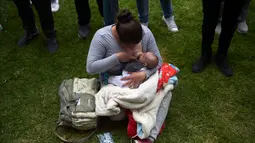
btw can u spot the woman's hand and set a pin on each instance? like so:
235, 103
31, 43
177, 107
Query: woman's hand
125, 57
135, 79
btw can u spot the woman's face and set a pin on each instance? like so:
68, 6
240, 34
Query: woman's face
128, 47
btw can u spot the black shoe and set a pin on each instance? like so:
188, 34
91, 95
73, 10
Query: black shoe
222, 62
52, 45
201, 64
27, 37
84, 31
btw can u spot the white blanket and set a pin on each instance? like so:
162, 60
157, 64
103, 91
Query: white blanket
143, 102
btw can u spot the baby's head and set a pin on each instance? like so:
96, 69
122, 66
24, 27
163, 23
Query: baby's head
149, 60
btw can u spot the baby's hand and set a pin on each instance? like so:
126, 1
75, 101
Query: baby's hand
142, 59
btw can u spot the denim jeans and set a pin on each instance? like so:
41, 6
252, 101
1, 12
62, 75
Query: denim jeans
111, 8
143, 9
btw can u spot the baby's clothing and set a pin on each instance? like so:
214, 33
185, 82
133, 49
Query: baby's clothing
130, 67
133, 66
116, 80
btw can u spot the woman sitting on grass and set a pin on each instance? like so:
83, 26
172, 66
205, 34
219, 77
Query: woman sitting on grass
113, 46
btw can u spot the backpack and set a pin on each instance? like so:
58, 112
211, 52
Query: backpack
77, 106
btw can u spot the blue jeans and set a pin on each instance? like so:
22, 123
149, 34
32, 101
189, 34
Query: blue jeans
143, 9
111, 8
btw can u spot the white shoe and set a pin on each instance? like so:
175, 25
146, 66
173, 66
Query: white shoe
55, 6
242, 27
171, 24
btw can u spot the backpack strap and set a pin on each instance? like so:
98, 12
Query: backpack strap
82, 140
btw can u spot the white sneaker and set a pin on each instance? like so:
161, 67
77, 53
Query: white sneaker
55, 6
218, 28
242, 27
171, 24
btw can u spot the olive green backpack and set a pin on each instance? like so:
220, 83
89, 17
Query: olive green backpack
77, 106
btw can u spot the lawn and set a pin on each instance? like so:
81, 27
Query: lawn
206, 107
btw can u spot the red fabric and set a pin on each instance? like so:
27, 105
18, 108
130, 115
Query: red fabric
165, 72
132, 125
162, 128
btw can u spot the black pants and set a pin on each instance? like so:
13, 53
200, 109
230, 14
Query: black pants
100, 7
43, 8
83, 10
211, 9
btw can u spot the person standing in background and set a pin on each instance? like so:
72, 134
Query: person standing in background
54, 5
211, 9
111, 8
168, 18
84, 16
43, 8
242, 25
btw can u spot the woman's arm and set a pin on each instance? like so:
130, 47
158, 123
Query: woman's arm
152, 47
96, 60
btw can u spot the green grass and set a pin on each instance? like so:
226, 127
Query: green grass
206, 107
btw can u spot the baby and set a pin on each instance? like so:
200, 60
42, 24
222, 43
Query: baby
144, 61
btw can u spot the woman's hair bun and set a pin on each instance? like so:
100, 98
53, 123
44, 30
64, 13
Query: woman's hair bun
125, 16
